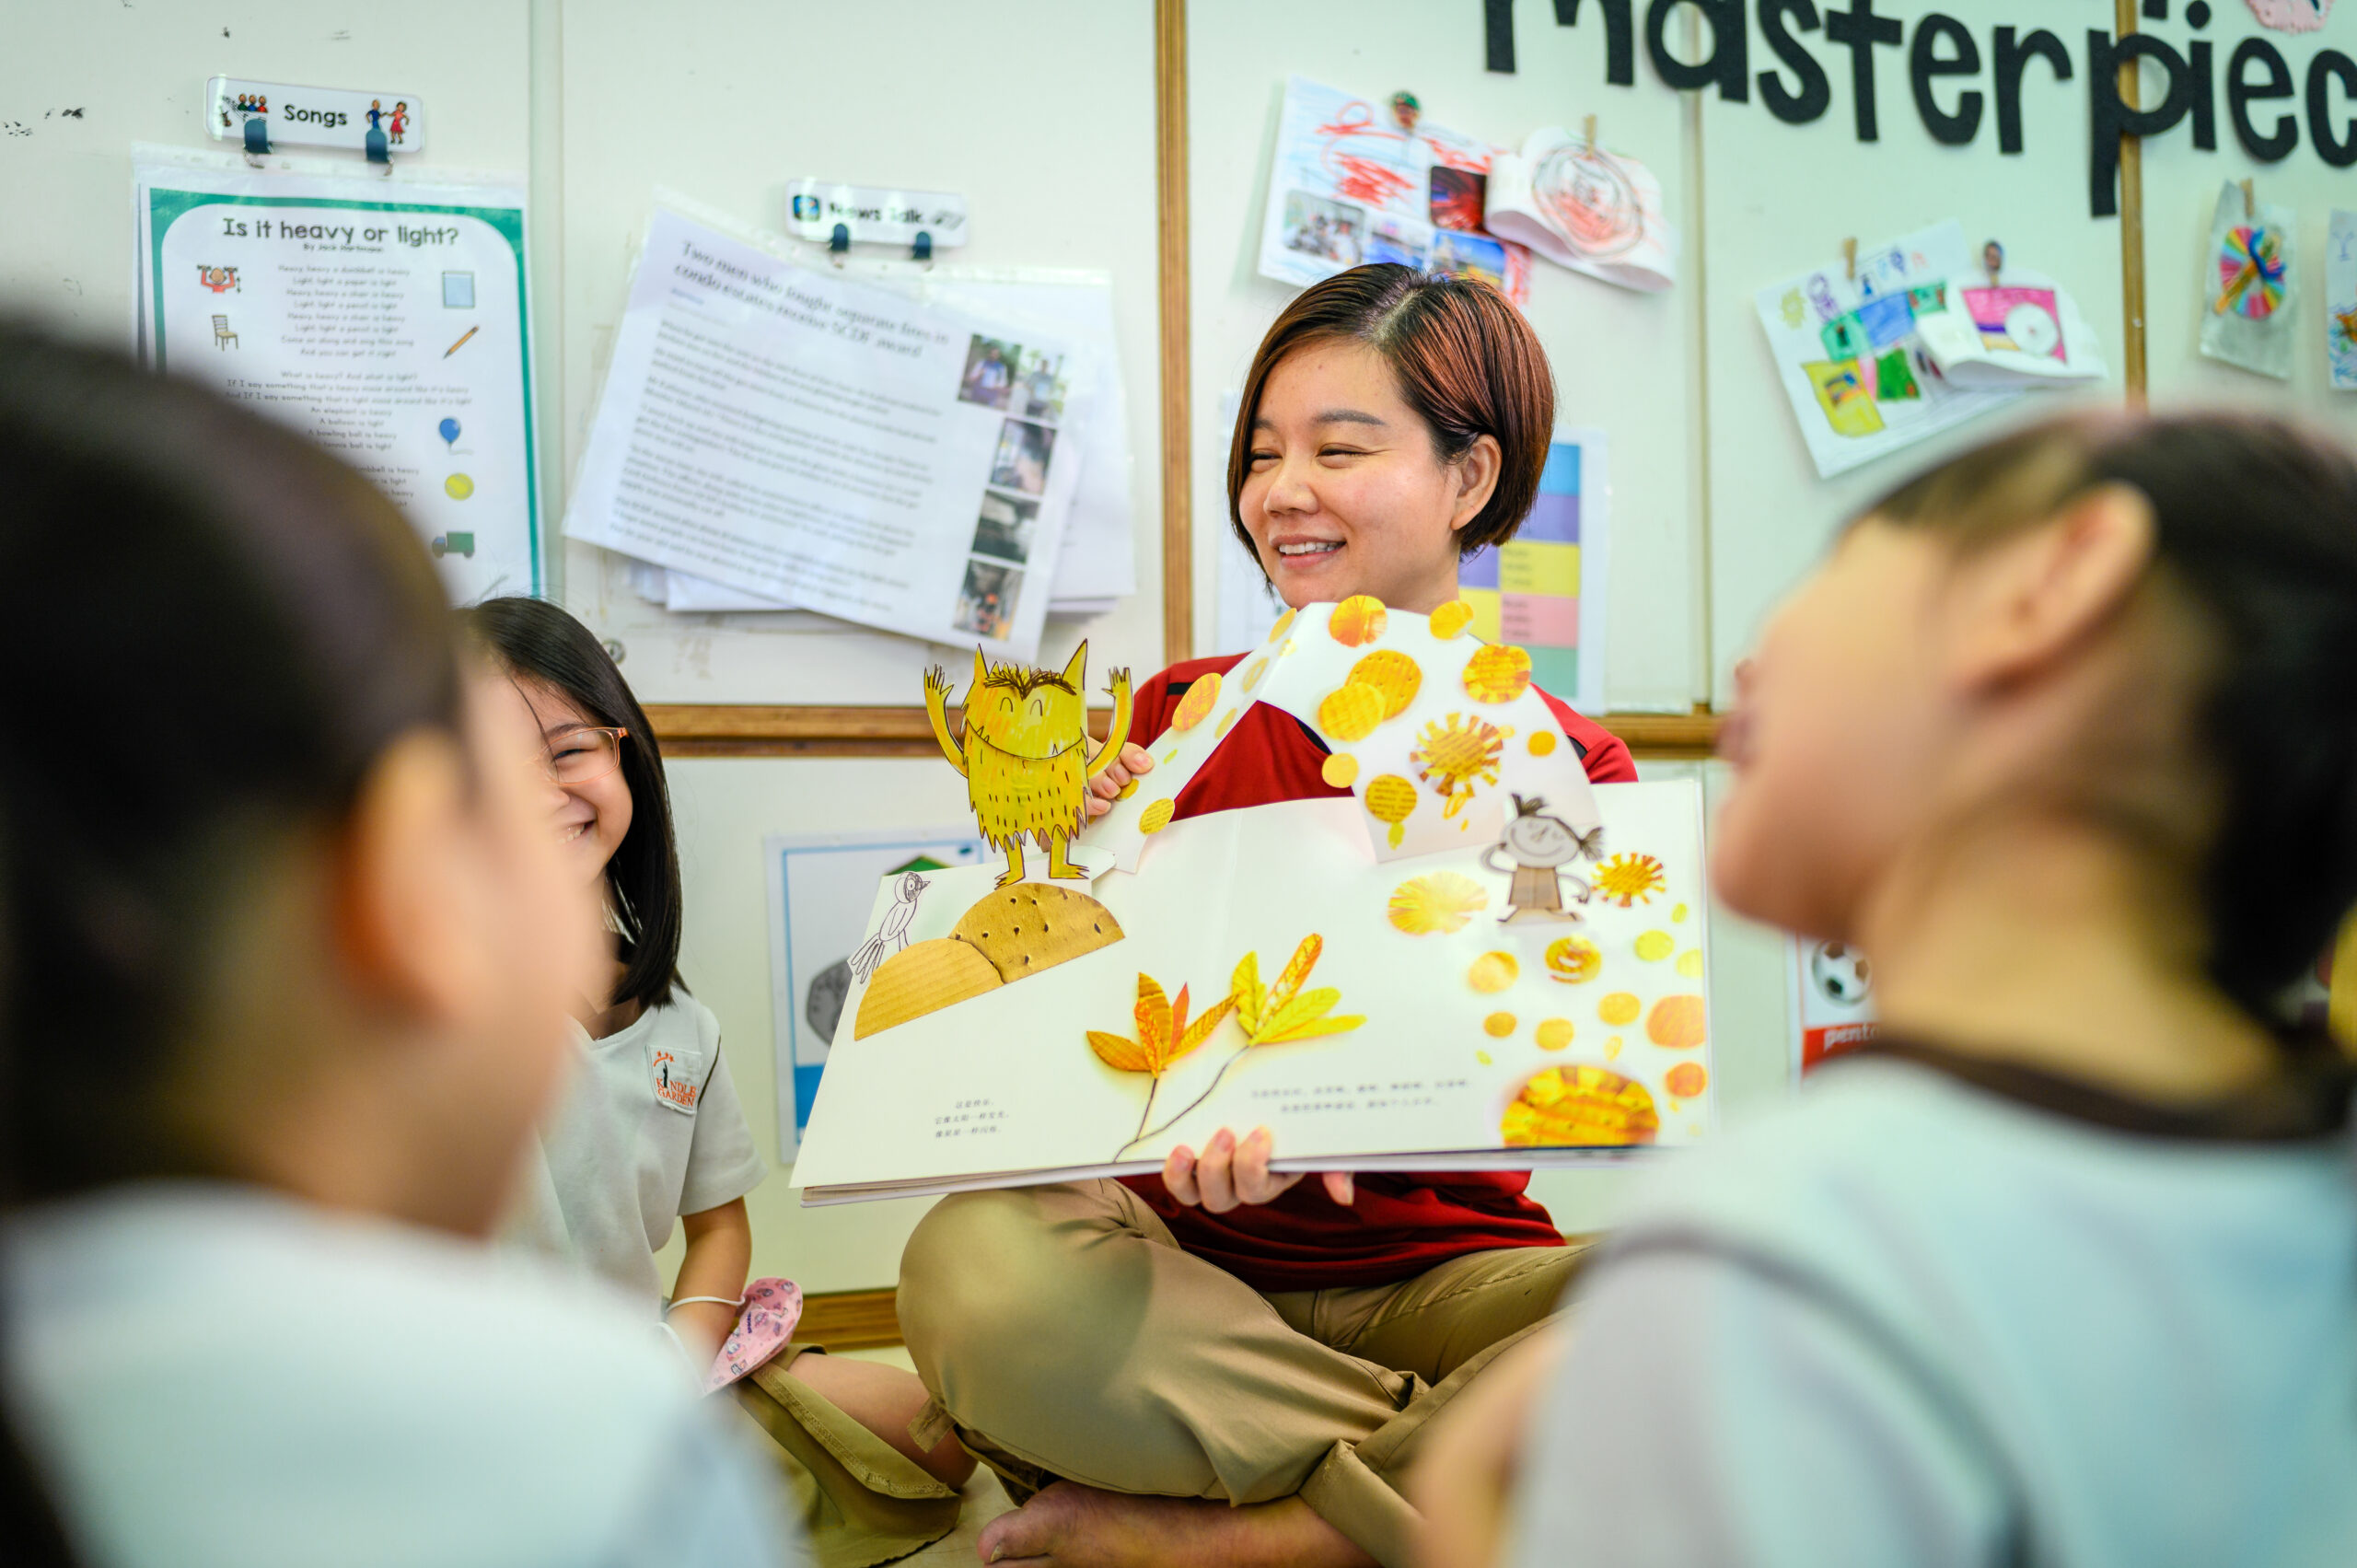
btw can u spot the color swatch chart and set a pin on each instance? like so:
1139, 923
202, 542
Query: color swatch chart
1527, 591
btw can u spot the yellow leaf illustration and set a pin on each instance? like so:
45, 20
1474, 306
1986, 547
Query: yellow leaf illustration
1284, 1011
1244, 988
1122, 1055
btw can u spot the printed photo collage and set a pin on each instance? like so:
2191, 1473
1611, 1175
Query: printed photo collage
1028, 386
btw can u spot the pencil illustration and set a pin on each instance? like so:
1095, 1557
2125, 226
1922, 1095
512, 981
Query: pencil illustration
461, 344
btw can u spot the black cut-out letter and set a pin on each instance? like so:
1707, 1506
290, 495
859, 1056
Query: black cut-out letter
1728, 65
1926, 60
2109, 118
2330, 65
2011, 58
2241, 93
1859, 30
1817, 93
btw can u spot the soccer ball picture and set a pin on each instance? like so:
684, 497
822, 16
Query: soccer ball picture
1841, 974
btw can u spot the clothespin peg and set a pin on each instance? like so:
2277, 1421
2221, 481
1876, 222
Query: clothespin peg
1589, 131
257, 137
1992, 260
921, 249
2250, 210
1850, 258
839, 243
1406, 111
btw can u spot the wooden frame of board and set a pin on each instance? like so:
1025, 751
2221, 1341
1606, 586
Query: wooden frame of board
779, 730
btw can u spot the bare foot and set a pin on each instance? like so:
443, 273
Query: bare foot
1072, 1526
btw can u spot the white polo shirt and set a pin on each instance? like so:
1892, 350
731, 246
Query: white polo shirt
1911, 1320
650, 1129
213, 1375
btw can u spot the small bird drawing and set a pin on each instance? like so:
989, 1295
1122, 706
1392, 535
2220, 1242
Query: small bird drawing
894, 933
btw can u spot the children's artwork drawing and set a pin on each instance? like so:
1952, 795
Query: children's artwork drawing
1025, 753
1852, 343
1537, 846
1581, 206
1352, 183
2246, 283
2340, 300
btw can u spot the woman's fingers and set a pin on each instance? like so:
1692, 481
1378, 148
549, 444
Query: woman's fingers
1215, 1172
1179, 1176
1255, 1183
1136, 759
1341, 1186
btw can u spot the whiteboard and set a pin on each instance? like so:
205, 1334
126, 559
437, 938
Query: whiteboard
1045, 125
1623, 362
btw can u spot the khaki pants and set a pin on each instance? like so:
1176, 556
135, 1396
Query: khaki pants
1066, 1334
859, 1500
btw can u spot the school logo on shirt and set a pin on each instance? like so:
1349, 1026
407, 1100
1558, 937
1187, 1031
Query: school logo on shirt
672, 1084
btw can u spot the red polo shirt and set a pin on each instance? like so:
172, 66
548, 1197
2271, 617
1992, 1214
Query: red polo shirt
1401, 1224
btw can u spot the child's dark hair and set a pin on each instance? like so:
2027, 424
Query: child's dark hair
537, 640
2256, 527
222, 628
1465, 361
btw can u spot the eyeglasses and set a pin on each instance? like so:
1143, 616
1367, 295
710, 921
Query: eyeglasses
580, 755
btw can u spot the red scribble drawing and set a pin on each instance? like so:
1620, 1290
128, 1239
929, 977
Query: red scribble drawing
1355, 157
1591, 201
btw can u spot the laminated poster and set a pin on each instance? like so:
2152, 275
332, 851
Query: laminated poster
385, 319
1584, 207
820, 887
1474, 959
792, 433
1349, 184
1854, 365
2340, 300
2247, 278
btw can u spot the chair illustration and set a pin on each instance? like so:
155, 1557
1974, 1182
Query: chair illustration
221, 336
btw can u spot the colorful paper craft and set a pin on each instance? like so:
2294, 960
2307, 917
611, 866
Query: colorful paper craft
1349, 182
1581, 206
2246, 283
2340, 300
1853, 399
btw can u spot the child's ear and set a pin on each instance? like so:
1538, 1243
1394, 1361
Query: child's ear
2034, 599
403, 896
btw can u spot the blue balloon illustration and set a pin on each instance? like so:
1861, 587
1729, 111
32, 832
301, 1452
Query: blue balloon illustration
451, 431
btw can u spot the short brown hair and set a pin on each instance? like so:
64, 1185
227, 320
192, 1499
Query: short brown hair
1467, 363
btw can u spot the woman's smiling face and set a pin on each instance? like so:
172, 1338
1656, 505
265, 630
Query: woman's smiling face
1343, 491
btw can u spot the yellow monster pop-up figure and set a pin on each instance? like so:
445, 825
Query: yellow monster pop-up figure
1025, 754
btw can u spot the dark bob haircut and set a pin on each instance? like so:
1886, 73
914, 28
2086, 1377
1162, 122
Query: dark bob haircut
2256, 521
1466, 362
538, 641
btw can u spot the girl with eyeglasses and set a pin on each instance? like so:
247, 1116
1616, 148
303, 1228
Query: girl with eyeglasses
651, 1131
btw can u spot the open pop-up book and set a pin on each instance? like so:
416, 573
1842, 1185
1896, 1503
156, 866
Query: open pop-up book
1476, 960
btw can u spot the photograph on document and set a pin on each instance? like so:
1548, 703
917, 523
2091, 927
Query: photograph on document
1003, 528
986, 603
1039, 389
1022, 459
1327, 231
1470, 256
990, 372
